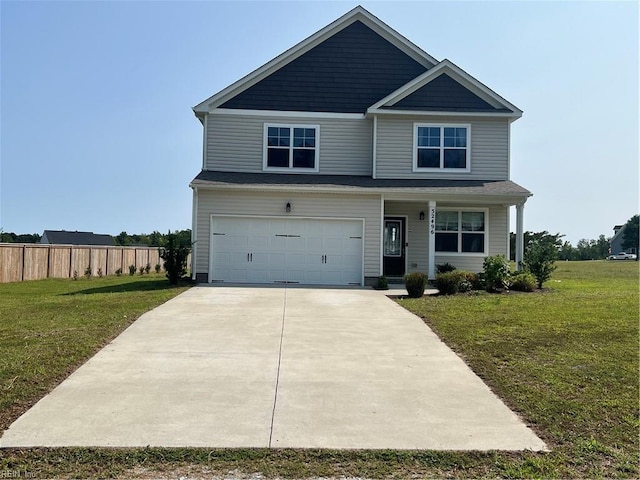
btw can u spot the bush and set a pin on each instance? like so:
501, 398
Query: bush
147, 268
523, 282
415, 283
174, 252
444, 268
496, 273
158, 267
450, 283
119, 272
382, 284
87, 272
132, 270
99, 272
75, 275
539, 259
141, 270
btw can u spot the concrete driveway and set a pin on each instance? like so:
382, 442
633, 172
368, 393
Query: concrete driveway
275, 367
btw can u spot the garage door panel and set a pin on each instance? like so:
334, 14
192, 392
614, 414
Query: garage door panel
266, 250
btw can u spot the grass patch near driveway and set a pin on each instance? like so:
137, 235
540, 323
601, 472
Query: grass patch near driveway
50, 327
566, 359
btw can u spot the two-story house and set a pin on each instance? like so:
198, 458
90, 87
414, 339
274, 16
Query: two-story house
352, 155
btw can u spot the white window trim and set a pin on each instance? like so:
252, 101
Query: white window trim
291, 169
486, 232
442, 168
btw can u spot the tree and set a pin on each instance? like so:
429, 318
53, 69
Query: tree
539, 259
174, 252
529, 237
630, 235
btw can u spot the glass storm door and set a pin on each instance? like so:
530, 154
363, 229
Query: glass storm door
393, 258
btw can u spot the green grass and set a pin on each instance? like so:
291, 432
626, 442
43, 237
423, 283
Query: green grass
49, 327
566, 359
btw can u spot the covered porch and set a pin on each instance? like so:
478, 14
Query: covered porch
419, 233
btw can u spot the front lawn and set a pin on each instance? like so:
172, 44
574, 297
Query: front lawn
565, 359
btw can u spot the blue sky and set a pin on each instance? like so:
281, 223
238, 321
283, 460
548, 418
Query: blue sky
97, 131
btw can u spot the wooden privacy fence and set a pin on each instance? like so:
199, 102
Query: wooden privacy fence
33, 261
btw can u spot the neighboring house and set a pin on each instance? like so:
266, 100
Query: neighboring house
615, 244
62, 237
352, 155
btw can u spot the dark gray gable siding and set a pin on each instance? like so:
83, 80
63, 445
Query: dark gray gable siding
443, 93
346, 73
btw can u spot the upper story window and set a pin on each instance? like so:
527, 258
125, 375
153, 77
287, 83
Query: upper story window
461, 231
291, 147
441, 147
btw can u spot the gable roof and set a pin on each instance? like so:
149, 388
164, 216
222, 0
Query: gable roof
445, 88
358, 64
62, 237
367, 36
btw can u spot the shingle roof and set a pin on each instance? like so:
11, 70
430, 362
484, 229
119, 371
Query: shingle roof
359, 184
346, 73
63, 237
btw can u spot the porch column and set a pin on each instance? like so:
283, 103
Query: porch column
519, 235
432, 240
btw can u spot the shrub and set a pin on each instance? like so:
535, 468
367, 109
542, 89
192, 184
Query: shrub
382, 284
100, 272
539, 259
119, 272
147, 268
444, 268
75, 275
415, 282
158, 267
496, 273
455, 281
132, 270
174, 252
87, 272
523, 282
141, 270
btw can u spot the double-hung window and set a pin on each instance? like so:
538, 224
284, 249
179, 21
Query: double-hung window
441, 147
461, 231
291, 147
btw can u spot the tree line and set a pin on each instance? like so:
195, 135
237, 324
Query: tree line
153, 239
594, 249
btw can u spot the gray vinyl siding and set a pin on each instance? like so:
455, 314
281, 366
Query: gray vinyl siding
235, 143
226, 202
489, 148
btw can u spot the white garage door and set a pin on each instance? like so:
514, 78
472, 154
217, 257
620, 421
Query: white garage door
286, 250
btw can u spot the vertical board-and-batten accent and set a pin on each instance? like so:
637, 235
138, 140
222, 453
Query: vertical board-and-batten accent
308, 205
489, 148
235, 143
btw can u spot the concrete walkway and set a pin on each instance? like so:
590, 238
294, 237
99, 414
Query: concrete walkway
275, 367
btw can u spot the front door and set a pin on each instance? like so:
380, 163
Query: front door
394, 246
